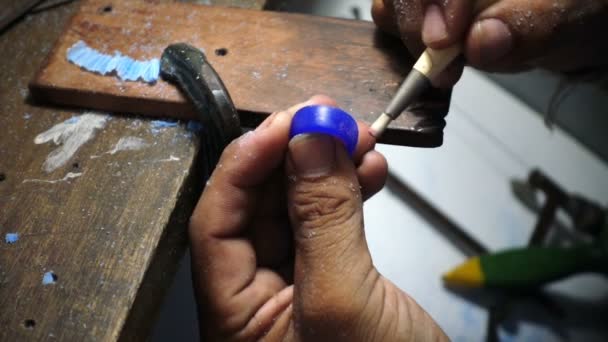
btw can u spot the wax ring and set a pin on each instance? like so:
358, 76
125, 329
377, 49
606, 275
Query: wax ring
326, 120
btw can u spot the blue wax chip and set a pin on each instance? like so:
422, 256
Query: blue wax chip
11, 237
326, 120
49, 278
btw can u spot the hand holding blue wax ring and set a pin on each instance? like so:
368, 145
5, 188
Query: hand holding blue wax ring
326, 120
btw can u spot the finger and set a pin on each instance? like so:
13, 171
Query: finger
446, 22
409, 15
316, 99
224, 262
246, 163
333, 267
269, 230
270, 235
365, 143
383, 14
372, 173
274, 310
513, 35
448, 77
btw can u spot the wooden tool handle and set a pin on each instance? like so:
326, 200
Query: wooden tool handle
432, 62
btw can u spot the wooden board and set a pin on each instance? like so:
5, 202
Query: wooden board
113, 235
273, 60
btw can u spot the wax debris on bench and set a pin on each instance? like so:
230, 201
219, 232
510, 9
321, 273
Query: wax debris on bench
11, 238
49, 278
157, 125
126, 68
66, 178
128, 144
69, 136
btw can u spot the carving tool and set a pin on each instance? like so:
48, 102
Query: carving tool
426, 69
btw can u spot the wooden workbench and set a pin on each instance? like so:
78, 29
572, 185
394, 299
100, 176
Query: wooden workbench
110, 225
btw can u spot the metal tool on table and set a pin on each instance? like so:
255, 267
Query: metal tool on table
189, 68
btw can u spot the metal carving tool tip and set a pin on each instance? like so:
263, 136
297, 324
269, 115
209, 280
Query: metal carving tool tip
430, 64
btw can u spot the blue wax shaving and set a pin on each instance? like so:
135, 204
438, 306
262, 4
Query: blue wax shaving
157, 125
153, 71
11, 237
133, 71
49, 278
126, 68
112, 64
138, 69
163, 124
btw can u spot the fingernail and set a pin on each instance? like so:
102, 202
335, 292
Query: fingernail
434, 28
313, 155
495, 40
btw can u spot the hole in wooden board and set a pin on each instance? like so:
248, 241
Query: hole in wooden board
2, 176
106, 9
221, 52
29, 324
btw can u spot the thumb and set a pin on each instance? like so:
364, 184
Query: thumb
333, 269
513, 35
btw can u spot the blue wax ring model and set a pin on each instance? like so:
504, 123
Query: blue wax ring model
326, 120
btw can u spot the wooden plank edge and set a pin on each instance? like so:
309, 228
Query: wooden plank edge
44, 94
161, 270
184, 111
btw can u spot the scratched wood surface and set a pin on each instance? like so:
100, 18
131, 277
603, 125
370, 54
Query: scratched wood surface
273, 60
112, 234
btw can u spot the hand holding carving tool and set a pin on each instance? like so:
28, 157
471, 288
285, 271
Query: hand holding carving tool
428, 66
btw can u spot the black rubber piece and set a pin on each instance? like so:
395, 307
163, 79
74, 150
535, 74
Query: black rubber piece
188, 67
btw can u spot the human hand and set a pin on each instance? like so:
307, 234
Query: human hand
507, 36
278, 247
